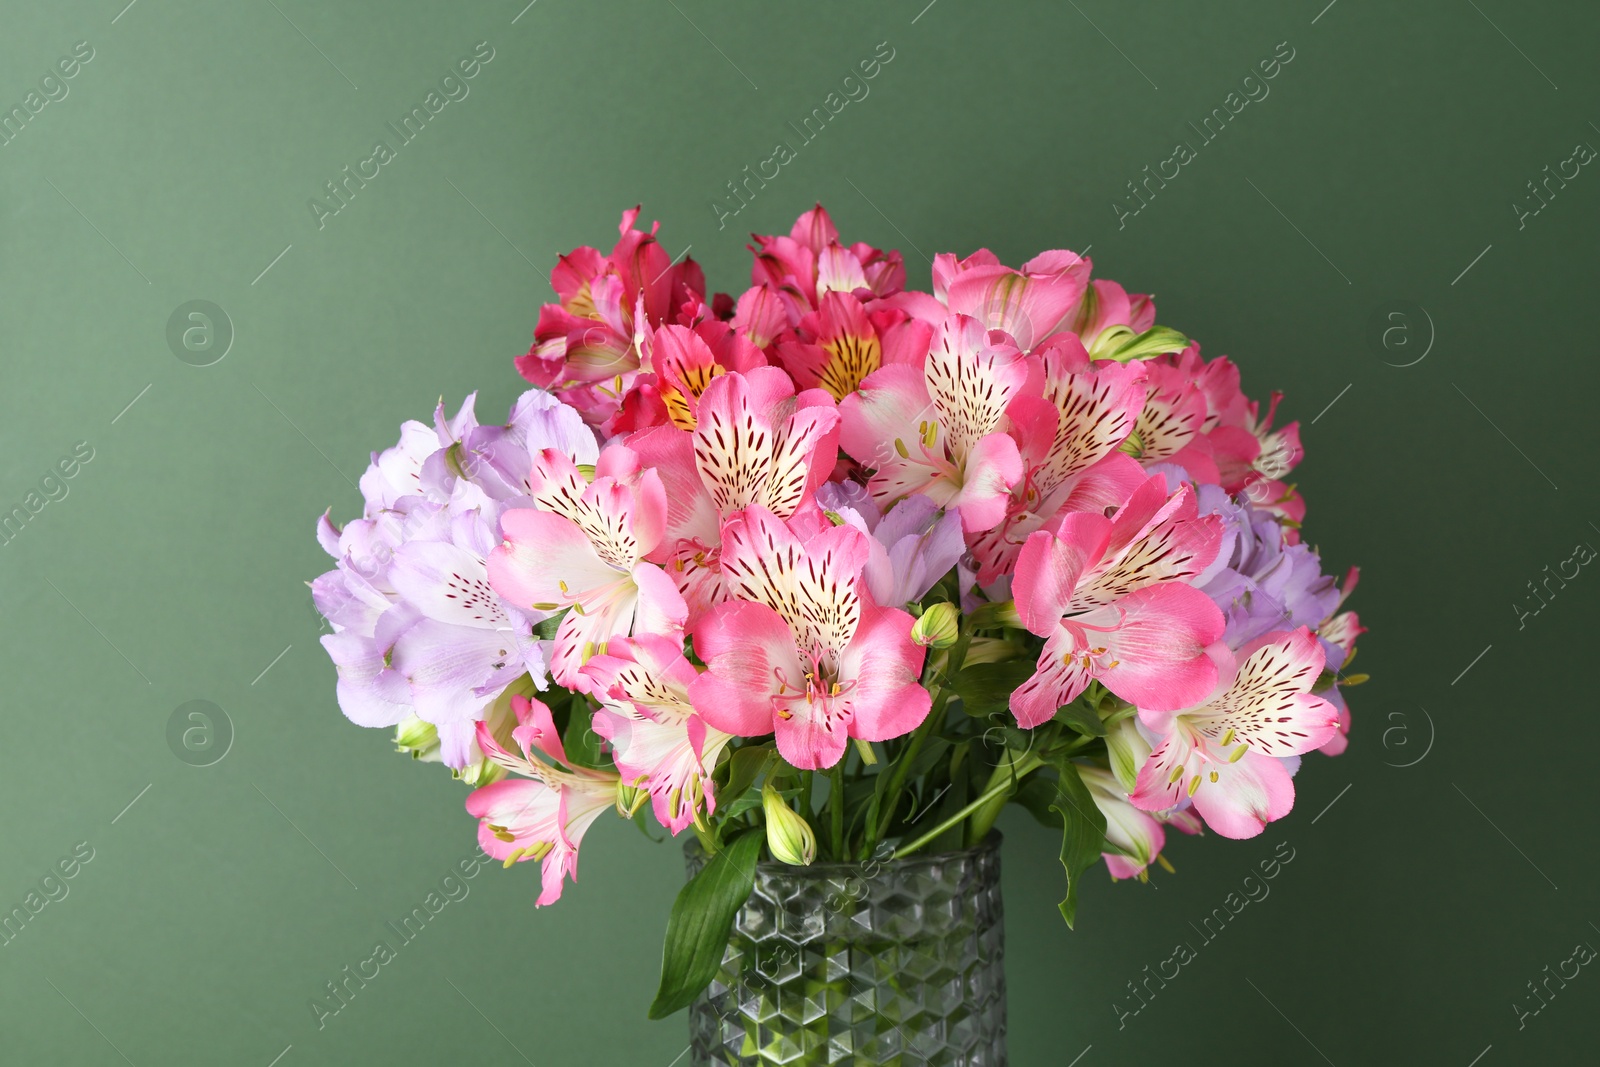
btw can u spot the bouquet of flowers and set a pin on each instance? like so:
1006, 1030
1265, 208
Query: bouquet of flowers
796, 569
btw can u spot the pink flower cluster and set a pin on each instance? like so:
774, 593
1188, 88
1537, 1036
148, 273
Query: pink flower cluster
804, 505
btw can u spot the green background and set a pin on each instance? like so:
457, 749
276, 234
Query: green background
1415, 908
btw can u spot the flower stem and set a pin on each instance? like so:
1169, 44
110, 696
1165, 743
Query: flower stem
1002, 783
998, 788
902, 766
836, 804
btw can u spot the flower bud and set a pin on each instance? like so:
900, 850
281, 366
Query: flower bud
998, 614
1127, 750
419, 738
789, 837
939, 626
1122, 344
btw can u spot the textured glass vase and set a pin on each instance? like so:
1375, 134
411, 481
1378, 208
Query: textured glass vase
898, 964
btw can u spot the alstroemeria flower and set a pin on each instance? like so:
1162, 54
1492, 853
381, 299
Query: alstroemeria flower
1169, 426
1107, 305
584, 348
1137, 836
1111, 600
1030, 304
809, 262
685, 360
417, 629
658, 742
938, 429
756, 442
805, 653
1225, 754
543, 815
913, 546
497, 458
1263, 582
584, 548
842, 342
1068, 438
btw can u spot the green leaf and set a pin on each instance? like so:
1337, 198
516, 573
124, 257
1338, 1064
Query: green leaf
751, 801
1037, 794
546, 630
1081, 718
702, 916
642, 819
583, 745
744, 767
985, 688
1083, 834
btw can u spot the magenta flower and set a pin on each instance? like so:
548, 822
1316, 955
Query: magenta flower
809, 262
584, 347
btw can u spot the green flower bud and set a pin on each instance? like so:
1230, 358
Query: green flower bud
789, 837
419, 738
999, 614
1122, 344
939, 626
1128, 751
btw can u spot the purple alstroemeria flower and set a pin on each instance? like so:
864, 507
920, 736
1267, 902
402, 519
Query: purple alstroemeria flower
417, 630
913, 546
1260, 582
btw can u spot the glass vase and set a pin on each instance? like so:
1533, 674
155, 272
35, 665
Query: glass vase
898, 963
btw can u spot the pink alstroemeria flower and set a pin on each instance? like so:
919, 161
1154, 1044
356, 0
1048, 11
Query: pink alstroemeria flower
755, 442
939, 429
585, 347
543, 815
842, 342
584, 548
1030, 304
658, 742
1226, 753
1107, 305
809, 262
1136, 836
805, 653
1109, 596
1069, 439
